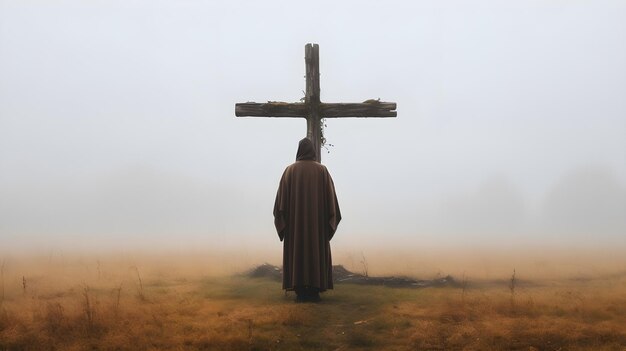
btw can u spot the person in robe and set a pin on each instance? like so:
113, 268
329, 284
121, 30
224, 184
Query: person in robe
306, 216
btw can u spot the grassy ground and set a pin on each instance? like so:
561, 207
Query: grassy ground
176, 312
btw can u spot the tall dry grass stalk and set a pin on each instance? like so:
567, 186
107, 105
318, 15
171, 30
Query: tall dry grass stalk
250, 325
2, 284
512, 286
464, 287
98, 268
88, 307
117, 300
365, 265
141, 295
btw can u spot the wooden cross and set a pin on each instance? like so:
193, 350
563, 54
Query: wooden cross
312, 108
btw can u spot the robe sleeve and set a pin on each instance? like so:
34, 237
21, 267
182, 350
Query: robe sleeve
332, 205
281, 207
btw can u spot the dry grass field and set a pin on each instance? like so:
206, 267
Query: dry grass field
183, 303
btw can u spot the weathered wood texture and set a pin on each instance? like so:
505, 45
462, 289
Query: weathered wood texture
327, 110
312, 96
365, 109
270, 109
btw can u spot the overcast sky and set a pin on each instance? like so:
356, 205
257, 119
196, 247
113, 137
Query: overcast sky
117, 124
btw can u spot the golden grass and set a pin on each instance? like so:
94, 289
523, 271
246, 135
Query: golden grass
110, 304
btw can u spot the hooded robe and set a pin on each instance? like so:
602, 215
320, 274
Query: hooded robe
306, 215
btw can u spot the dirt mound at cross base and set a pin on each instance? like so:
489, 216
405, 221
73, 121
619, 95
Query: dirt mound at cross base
266, 271
343, 276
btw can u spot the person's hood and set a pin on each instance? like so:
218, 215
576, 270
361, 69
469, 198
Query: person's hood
306, 151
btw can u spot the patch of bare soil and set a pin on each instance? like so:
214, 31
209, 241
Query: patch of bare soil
343, 276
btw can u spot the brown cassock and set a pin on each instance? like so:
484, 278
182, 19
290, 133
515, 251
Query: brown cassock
306, 215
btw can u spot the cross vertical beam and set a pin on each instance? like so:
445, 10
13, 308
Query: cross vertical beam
312, 96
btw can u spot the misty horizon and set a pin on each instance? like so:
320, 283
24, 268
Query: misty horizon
117, 124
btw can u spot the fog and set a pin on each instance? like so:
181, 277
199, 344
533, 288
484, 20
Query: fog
117, 126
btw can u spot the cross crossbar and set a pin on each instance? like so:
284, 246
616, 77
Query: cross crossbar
332, 110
